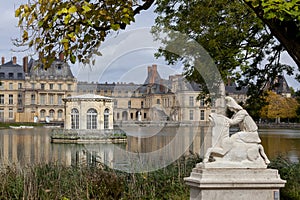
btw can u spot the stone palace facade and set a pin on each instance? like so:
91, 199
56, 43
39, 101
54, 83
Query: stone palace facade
29, 93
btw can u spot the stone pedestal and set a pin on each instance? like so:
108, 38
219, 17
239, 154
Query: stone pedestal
234, 183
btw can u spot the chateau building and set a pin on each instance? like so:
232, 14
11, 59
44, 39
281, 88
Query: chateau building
31, 93
156, 99
12, 92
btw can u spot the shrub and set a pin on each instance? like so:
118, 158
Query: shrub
290, 172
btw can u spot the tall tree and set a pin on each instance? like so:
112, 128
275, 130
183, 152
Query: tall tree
238, 41
75, 27
279, 107
78, 27
283, 20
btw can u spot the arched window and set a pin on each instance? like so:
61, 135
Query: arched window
106, 118
42, 113
74, 119
59, 114
124, 115
91, 119
51, 114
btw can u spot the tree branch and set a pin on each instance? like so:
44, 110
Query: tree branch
284, 31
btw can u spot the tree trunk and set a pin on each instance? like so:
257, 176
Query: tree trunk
286, 32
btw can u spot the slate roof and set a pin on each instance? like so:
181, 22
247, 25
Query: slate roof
8, 69
59, 69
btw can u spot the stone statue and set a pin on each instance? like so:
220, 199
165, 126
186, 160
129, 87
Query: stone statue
241, 149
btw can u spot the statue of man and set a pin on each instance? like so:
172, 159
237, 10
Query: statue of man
248, 128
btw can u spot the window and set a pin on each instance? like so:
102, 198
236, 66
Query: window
116, 103
129, 104
51, 86
51, 114
32, 86
42, 113
91, 119
10, 113
42, 99
69, 87
10, 99
1, 114
19, 85
213, 102
191, 101
11, 86
158, 101
191, 114
74, 119
33, 99
59, 99
202, 102
59, 114
51, 99
2, 75
1, 98
60, 86
202, 113
20, 99
10, 75
20, 75
142, 104
42, 86
106, 118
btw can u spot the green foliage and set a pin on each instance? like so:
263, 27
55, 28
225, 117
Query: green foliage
60, 182
75, 28
232, 34
291, 173
166, 183
279, 9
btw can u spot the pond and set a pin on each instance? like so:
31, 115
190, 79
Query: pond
155, 145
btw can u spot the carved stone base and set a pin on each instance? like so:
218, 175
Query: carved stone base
234, 183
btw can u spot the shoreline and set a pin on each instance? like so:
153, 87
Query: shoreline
280, 126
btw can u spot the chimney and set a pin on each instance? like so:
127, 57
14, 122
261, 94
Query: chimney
14, 60
154, 73
61, 56
149, 70
3, 60
161, 86
154, 67
25, 64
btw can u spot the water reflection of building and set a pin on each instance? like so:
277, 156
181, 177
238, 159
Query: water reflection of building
24, 147
21, 147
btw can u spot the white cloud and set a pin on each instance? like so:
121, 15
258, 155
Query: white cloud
128, 50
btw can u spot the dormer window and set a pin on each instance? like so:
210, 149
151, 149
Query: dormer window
10, 75
20, 75
59, 67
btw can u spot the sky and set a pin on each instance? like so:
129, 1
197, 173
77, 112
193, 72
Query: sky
125, 56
